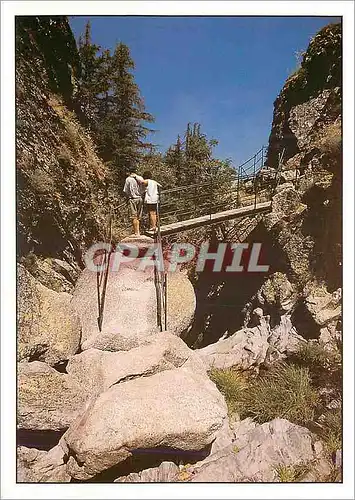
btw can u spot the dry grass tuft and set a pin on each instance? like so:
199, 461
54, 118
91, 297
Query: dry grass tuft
285, 392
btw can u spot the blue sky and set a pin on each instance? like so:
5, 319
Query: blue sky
223, 72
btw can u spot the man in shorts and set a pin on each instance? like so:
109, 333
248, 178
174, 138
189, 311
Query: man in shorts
151, 198
133, 191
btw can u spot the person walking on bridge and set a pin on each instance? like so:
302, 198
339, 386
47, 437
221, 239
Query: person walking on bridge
151, 199
133, 191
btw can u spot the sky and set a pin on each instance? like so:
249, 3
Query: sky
223, 72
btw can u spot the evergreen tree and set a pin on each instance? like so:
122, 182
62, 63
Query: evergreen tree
110, 104
90, 84
175, 159
123, 134
192, 162
199, 153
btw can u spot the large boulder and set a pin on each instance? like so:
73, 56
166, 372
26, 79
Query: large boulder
47, 399
48, 327
98, 370
38, 466
130, 306
175, 409
181, 302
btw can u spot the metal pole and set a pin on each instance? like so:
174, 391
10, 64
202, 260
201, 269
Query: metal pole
158, 295
238, 187
195, 190
101, 312
157, 281
211, 195
254, 168
98, 274
166, 302
101, 296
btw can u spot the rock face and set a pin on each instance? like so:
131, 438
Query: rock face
245, 348
63, 188
36, 466
130, 309
48, 327
252, 347
323, 306
277, 293
301, 236
307, 125
173, 409
167, 472
256, 455
47, 400
55, 274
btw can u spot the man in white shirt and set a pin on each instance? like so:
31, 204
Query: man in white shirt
133, 191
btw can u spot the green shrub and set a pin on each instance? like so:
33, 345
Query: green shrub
332, 430
291, 473
312, 354
284, 392
324, 365
232, 385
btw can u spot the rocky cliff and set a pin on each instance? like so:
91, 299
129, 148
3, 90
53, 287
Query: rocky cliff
64, 191
306, 222
307, 127
302, 236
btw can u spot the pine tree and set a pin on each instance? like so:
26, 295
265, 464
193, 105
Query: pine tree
123, 134
175, 159
199, 152
93, 83
193, 163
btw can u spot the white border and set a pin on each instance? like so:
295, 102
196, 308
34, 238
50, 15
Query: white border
203, 491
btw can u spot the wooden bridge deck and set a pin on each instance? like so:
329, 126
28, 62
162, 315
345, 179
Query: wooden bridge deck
216, 218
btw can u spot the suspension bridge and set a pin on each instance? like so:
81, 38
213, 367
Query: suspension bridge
217, 200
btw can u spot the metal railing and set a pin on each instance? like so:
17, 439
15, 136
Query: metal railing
160, 278
250, 184
102, 276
